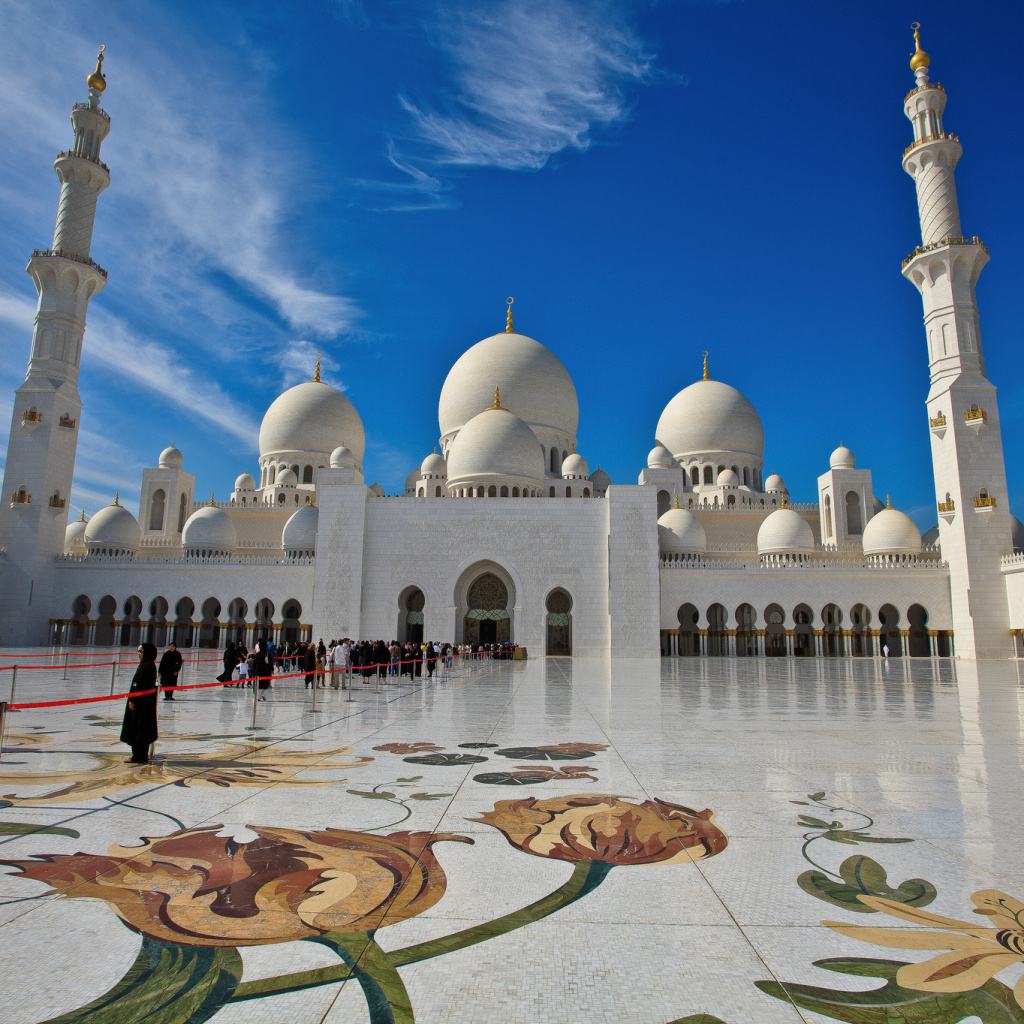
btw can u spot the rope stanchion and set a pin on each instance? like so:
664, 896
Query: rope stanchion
14, 684
67, 654
113, 673
3, 723
255, 702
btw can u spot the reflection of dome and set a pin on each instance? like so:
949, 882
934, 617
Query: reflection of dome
245, 482
659, 457
774, 483
434, 465
710, 416
495, 445
74, 536
891, 532
842, 458
171, 458
601, 480
785, 532
287, 478
575, 467
342, 458
209, 529
534, 385
727, 478
311, 417
113, 530
681, 532
299, 536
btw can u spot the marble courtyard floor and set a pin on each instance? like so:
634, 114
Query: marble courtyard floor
556, 840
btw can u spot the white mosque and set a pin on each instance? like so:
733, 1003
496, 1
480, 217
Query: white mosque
504, 533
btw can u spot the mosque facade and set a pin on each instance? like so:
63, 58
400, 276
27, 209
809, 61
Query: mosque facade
504, 532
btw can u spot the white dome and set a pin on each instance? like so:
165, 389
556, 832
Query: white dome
727, 478
246, 482
299, 533
342, 458
891, 532
287, 478
600, 479
112, 529
171, 458
710, 416
681, 532
377, 489
842, 458
534, 385
932, 536
495, 445
209, 529
774, 483
434, 465
659, 457
74, 537
785, 532
311, 417
1017, 533
575, 466
411, 480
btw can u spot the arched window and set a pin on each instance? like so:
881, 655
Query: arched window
732, 499
157, 508
420, 493
828, 516
551, 492
307, 475
565, 455
746, 476
709, 475
437, 492
273, 475
280, 499
515, 492
568, 492
854, 520
181, 513
586, 492
295, 470
554, 460
695, 476
504, 490
492, 491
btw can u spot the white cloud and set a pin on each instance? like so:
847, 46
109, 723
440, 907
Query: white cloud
297, 361
532, 77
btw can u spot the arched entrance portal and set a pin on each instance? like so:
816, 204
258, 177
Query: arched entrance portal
487, 620
559, 622
410, 616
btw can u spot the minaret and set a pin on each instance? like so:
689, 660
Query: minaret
967, 448
44, 427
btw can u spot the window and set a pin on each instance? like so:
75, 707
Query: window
709, 475
492, 491
504, 490
828, 516
746, 476
182, 505
854, 520
694, 476
307, 475
157, 508
437, 492
551, 492
568, 492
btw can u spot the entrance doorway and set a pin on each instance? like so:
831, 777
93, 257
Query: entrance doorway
559, 623
487, 619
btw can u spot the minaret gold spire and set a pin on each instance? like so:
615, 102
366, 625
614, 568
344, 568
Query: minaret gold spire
888, 503
677, 501
919, 58
497, 399
82, 519
508, 319
117, 499
213, 504
96, 80
316, 372
706, 374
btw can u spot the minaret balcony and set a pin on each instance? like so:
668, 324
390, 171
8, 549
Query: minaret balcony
21, 497
31, 418
67, 421
56, 501
942, 242
66, 255
106, 116
938, 425
923, 88
975, 418
985, 505
947, 510
941, 137
84, 156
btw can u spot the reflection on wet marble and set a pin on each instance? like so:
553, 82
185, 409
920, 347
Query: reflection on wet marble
450, 852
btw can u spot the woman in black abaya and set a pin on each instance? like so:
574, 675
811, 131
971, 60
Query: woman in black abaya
139, 727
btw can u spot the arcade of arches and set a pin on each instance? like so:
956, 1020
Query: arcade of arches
801, 634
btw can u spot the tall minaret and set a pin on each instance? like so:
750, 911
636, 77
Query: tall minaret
44, 426
967, 448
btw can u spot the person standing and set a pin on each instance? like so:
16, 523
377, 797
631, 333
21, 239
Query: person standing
230, 661
138, 729
170, 666
431, 658
264, 666
309, 660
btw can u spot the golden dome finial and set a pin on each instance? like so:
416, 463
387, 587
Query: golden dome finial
82, 518
707, 376
316, 372
497, 399
508, 319
309, 501
919, 59
785, 501
888, 503
677, 501
96, 80
117, 499
213, 504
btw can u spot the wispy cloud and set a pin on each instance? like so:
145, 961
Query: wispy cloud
297, 361
421, 191
531, 78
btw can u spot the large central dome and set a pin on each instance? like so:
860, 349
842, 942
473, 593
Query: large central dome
534, 385
710, 416
312, 417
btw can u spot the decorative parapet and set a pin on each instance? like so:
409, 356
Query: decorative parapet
941, 137
947, 506
84, 156
923, 88
1014, 562
154, 558
21, 498
804, 563
98, 110
66, 255
56, 501
31, 416
948, 240
67, 421
985, 504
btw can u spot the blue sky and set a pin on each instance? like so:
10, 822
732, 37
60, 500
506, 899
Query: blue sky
371, 179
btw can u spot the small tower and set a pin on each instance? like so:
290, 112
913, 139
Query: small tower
44, 427
963, 419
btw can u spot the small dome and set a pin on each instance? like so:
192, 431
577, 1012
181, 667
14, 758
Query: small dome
727, 478
774, 483
74, 537
377, 489
681, 532
659, 457
575, 466
1017, 533
876, 505
842, 458
113, 529
434, 465
785, 532
299, 534
495, 444
411, 480
932, 536
600, 479
311, 417
710, 416
209, 529
246, 482
342, 458
287, 478
171, 458
891, 532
